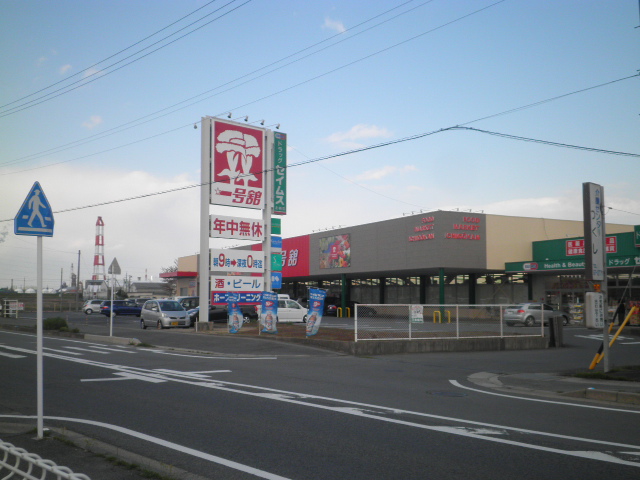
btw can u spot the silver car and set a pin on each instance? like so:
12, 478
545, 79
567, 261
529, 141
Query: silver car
530, 313
91, 306
163, 314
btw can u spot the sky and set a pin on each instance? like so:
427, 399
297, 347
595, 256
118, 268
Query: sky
99, 101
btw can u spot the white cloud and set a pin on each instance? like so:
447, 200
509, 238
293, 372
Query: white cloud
64, 69
349, 139
379, 173
334, 25
144, 234
91, 72
93, 122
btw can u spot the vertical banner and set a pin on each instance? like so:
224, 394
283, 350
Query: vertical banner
269, 312
235, 313
280, 173
594, 232
316, 309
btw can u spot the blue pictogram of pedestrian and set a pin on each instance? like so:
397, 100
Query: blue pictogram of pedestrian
35, 217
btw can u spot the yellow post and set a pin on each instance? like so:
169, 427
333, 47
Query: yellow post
436, 313
600, 355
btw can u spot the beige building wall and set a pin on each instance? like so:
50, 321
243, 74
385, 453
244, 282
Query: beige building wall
509, 239
188, 264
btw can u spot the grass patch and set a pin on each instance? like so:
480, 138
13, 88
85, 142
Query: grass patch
629, 373
55, 323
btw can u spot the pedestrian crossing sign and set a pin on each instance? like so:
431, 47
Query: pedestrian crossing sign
35, 217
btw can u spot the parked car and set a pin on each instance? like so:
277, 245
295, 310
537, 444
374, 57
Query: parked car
139, 301
291, 311
120, 307
91, 306
189, 303
531, 313
163, 314
220, 313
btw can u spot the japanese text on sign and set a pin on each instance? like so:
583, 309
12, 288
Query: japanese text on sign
236, 228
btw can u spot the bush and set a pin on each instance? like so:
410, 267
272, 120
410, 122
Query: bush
55, 323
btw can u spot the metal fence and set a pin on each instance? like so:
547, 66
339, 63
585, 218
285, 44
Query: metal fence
415, 322
18, 464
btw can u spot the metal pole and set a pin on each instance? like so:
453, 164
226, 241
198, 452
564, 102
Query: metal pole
111, 309
204, 291
39, 369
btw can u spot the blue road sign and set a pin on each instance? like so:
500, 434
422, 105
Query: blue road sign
35, 217
276, 280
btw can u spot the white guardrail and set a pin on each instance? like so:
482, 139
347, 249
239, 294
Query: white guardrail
18, 464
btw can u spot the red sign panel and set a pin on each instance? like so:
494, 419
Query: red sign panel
576, 247
295, 256
238, 165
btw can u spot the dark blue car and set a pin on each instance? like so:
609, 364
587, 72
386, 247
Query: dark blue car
120, 307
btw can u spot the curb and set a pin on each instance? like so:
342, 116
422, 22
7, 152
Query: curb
626, 398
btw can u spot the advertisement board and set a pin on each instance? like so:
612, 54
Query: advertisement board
316, 309
236, 319
246, 298
279, 173
237, 283
335, 251
237, 169
269, 312
230, 260
236, 228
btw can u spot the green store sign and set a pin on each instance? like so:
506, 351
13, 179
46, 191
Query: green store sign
549, 265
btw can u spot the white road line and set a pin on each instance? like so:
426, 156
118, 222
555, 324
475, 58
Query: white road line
61, 351
11, 355
87, 350
459, 385
164, 443
119, 350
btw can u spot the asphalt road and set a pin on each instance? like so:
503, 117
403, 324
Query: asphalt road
259, 409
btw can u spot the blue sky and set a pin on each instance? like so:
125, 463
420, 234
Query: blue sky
435, 65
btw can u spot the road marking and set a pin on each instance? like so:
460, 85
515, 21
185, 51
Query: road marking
61, 351
87, 350
459, 385
119, 350
163, 443
126, 376
12, 355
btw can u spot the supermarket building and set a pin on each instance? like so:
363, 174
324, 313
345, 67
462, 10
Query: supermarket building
449, 257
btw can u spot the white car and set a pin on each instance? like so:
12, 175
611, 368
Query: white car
164, 314
291, 311
91, 306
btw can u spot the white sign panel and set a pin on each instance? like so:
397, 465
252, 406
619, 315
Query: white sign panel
594, 310
595, 252
416, 313
237, 169
236, 283
236, 228
229, 260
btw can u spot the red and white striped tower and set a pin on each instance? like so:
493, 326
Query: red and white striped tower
98, 258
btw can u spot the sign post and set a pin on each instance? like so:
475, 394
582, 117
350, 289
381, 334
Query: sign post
114, 269
35, 218
595, 250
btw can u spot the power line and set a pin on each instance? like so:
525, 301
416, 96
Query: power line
547, 142
111, 56
335, 155
505, 112
120, 128
101, 74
